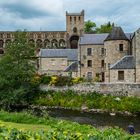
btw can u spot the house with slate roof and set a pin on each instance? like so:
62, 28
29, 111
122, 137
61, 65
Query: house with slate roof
58, 62
112, 58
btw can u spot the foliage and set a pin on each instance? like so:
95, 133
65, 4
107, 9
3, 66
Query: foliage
92, 100
77, 80
105, 28
57, 129
7, 133
45, 79
17, 69
89, 26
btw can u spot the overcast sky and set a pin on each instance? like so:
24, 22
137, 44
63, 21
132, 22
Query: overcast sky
49, 15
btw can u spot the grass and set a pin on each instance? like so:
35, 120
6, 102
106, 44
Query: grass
26, 127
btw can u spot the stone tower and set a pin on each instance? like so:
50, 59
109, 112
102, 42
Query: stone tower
136, 52
74, 28
116, 46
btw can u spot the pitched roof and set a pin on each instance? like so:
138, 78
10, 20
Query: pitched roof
98, 39
73, 67
127, 62
71, 54
116, 34
93, 39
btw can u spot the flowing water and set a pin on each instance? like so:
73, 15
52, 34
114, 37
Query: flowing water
98, 120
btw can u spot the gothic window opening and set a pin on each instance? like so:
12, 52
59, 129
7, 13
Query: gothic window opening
75, 20
62, 43
1, 51
1, 43
74, 42
74, 30
39, 43
54, 43
46, 43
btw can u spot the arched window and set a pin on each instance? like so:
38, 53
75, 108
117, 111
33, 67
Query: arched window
54, 43
74, 19
39, 43
62, 43
74, 30
74, 42
1, 43
46, 43
70, 19
1, 51
32, 42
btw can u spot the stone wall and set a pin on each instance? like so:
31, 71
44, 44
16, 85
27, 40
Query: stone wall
129, 76
103, 88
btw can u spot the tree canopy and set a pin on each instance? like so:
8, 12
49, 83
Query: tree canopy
90, 27
17, 67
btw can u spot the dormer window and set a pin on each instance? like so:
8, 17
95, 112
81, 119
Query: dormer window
121, 48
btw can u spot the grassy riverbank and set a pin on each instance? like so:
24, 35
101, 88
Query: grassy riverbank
91, 100
42, 128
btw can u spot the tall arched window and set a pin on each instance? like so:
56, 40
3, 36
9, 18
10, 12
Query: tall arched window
46, 43
39, 43
1, 43
74, 30
62, 43
54, 43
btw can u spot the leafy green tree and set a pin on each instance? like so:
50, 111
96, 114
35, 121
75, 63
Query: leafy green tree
89, 26
105, 28
17, 68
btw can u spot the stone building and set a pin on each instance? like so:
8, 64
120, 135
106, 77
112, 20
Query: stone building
52, 39
108, 57
58, 62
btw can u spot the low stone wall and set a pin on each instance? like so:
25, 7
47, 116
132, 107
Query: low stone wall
118, 89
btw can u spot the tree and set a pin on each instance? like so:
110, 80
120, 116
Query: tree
17, 68
105, 28
89, 27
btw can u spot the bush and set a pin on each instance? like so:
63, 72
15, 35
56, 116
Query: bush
45, 79
61, 81
77, 80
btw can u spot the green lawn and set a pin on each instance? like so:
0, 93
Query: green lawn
28, 127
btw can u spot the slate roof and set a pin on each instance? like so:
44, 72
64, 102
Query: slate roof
93, 39
116, 34
73, 67
127, 62
71, 54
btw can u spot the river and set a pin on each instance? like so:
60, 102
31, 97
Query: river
98, 120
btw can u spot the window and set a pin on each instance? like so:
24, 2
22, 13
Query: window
89, 63
70, 19
102, 51
120, 75
89, 51
121, 47
74, 19
1, 51
89, 75
1, 35
8, 35
102, 63
52, 62
79, 18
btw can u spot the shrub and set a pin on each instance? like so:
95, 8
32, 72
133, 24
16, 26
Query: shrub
77, 80
45, 79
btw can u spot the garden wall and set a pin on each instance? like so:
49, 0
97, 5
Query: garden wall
118, 89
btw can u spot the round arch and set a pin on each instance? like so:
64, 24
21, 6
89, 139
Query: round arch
54, 43
74, 41
46, 43
1, 43
62, 43
39, 43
